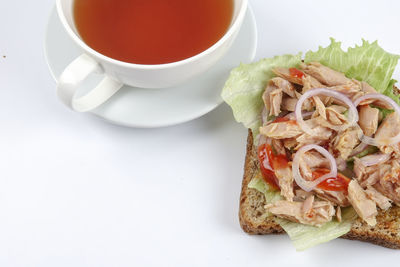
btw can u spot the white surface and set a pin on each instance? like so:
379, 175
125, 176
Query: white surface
77, 191
148, 108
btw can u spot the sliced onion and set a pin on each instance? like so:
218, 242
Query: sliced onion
372, 141
353, 114
374, 159
310, 185
360, 148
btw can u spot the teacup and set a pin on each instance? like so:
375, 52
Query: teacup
118, 73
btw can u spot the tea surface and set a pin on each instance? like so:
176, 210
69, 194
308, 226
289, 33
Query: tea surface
152, 31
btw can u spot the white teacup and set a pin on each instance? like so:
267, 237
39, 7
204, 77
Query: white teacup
117, 73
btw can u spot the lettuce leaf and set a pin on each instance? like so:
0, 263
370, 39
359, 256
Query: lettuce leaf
306, 236
246, 84
270, 195
368, 63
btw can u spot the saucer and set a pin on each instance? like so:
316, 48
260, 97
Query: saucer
150, 108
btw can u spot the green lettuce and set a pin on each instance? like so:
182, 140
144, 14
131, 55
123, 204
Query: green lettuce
270, 195
306, 236
368, 63
246, 84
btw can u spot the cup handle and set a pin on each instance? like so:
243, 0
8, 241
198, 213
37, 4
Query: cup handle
74, 75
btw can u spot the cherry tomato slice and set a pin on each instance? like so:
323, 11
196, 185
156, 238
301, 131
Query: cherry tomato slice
276, 162
338, 183
296, 73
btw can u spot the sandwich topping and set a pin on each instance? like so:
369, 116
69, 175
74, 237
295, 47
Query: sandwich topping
328, 142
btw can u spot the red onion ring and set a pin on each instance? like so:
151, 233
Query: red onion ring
372, 141
353, 113
374, 159
310, 185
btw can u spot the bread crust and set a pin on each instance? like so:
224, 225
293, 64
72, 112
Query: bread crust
385, 233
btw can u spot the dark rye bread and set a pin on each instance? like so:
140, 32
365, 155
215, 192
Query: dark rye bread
386, 232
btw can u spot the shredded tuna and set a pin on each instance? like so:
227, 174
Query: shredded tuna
336, 197
334, 117
285, 180
301, 195
365, 207
320, 134
389, 128
346, 142
351, 89
337, 108
366, 176
309, 83
289, 103
389, 183
275, 100
266, 95
285, 74
320, 107
325, 75
309, 212
308, 206
278, 147
308, 104
315, 160
281, 130
284, 85
329, 124
368, 119
305, 170
383, 202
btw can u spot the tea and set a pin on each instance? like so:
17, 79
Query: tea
152, 31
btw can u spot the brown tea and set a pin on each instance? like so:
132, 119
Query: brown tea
152, 31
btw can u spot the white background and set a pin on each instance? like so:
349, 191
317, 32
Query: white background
77, 191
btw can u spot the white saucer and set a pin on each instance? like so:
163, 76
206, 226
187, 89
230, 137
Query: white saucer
149, 108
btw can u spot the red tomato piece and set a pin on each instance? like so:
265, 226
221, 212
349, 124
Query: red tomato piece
338, 183
275, 161
296, 73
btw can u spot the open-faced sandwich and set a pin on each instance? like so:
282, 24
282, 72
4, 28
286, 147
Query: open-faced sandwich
323, 152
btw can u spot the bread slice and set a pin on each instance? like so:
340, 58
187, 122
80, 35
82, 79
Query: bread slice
252, 213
